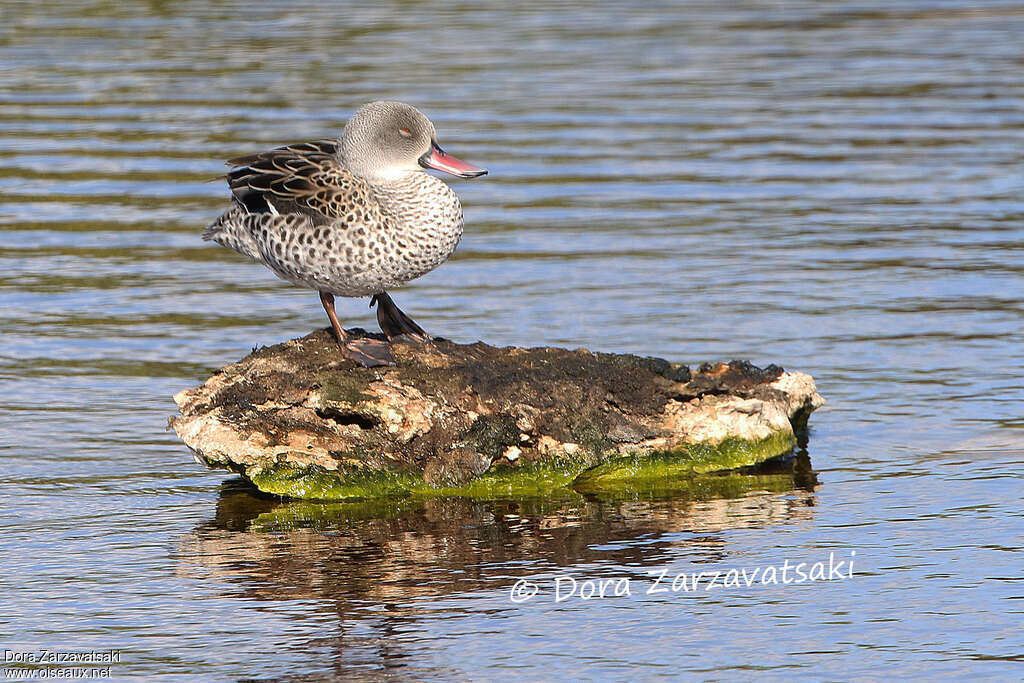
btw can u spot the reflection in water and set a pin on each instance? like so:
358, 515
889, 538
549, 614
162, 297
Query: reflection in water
395, 550
370, 564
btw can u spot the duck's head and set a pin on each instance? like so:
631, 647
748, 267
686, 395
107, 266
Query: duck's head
385, 140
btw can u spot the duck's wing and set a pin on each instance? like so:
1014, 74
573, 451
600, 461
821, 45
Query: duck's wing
304, 178
309, 149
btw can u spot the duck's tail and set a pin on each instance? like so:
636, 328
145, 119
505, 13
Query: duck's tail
231, 231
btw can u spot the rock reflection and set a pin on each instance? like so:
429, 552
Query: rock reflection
375, 566
354, 553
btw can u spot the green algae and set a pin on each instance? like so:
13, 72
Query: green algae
350, 484
645, 470
634, 472
318, 483
528, 479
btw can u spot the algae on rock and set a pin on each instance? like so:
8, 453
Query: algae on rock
299, 420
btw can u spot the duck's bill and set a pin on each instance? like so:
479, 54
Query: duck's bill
439, 160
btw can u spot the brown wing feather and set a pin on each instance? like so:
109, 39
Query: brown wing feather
327, 147
304, 178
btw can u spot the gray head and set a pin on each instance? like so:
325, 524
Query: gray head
386, 140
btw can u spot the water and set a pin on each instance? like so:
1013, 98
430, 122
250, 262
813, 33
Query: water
832, 187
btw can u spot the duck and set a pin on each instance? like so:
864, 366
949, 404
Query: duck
354, 216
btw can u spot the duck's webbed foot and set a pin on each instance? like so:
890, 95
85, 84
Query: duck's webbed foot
369, 353
394, 323
364, 351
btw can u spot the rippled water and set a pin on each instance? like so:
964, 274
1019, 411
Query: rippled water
834, 187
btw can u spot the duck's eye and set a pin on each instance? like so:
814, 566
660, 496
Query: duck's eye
404, 132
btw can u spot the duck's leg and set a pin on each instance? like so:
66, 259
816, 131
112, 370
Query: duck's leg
394, 323
366, 352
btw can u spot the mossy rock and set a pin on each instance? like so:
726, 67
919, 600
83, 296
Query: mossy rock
473, 420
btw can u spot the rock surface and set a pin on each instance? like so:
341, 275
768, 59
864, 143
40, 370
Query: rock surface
297, 419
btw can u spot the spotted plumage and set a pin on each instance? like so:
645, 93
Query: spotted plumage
353, 217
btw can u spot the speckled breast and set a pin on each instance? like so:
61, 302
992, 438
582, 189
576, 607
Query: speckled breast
413, 227
424, 219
